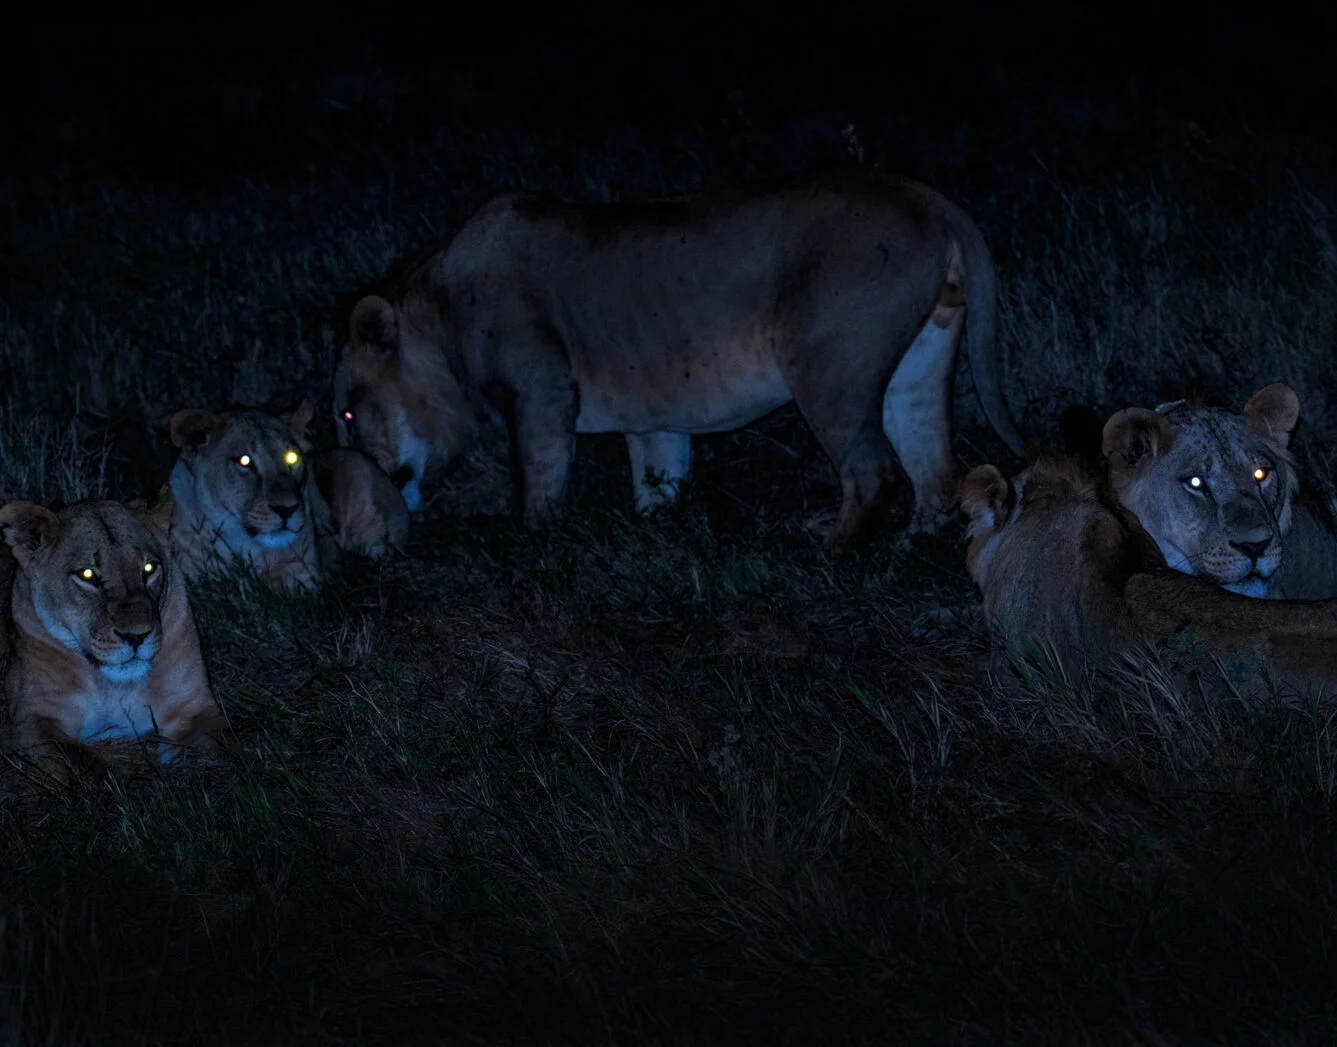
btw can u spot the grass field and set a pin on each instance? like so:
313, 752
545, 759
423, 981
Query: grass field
682, 780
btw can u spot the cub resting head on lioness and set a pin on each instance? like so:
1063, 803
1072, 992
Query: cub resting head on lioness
241, 491
356, 508
100, 637
1063, 566
1220, 494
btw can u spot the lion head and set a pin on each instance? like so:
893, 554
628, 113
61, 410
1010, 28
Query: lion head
358, 505
241, 486
1213, 488
1052, 554
96, 576
395, 396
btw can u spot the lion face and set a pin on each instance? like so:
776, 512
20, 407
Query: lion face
1213, 488
248, 470
375, 409
98, 573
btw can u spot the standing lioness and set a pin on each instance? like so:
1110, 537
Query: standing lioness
846, 294
104, 647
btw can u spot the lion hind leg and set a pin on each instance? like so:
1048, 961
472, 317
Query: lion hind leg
659, 463
871, 478
842, 404
916, 417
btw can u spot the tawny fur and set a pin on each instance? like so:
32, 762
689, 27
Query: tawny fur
1221, 495
95, 665
1063, 566
258, 513
846, 294
356, 506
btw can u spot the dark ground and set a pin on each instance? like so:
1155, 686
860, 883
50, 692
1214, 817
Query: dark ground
681, 780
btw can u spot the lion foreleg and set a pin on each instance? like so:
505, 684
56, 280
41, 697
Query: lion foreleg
544, 442
659, 463
194, 724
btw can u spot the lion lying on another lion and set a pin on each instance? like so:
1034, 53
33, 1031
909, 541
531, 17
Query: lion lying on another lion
1064, 567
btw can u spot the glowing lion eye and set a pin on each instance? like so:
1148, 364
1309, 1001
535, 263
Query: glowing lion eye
244, 461
348, 416
1260, 474
1195, 482
150, 567
292, 457
88, 574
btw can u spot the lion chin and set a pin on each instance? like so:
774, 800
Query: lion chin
126, 672
276, 539
1252, 585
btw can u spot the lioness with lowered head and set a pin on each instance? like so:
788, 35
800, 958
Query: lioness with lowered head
1063, 566
241, 492
101, 641
846, 294
1220, 494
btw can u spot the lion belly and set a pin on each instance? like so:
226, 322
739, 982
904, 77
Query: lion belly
709, 393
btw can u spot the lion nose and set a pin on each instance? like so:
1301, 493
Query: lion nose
133, 639
285, 511
1253, 550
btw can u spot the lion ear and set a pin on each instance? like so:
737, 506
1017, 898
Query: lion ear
985, 495
194, 428
26, 527
1136, 435
157, 508
1273, 412
375, 324
299, 418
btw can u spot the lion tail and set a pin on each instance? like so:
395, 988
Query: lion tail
981, 327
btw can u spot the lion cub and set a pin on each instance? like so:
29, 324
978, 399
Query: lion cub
103, 647
359, 508
242, 493
1062, 564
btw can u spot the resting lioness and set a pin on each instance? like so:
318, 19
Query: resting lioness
103, 644
241, 493
1063, 567
357, 507
1219, 493
846, 294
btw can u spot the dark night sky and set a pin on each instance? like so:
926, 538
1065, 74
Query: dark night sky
1282, 49
152, 94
